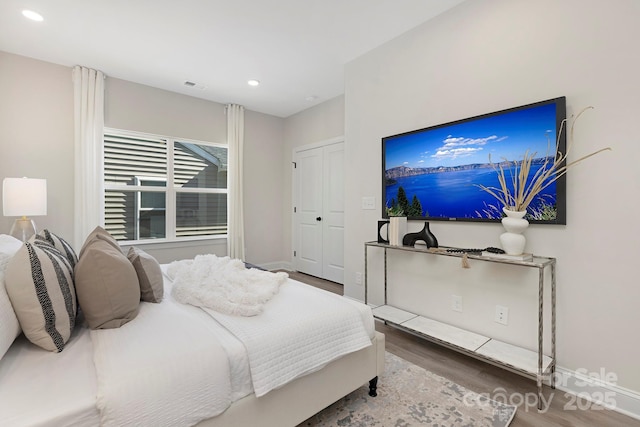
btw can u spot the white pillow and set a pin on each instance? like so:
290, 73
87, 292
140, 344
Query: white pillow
9, 245
9, 325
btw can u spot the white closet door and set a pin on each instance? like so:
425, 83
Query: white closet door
308, 212
333, 214
319, 212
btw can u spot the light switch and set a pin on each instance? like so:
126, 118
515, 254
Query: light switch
369, 203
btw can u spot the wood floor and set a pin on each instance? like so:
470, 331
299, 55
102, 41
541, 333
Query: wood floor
489, 380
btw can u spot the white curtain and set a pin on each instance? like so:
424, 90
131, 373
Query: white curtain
88, 90
235, 139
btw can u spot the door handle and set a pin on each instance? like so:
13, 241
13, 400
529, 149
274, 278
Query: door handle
319, 218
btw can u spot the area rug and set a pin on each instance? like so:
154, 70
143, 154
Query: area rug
409, 395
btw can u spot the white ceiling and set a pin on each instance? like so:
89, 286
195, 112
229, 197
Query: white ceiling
296, 48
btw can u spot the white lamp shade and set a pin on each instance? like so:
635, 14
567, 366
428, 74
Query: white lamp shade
24, 197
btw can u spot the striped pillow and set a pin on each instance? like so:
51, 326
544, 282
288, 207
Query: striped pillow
60, 244
39, 282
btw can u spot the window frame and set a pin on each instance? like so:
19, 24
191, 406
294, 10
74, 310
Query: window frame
171, 190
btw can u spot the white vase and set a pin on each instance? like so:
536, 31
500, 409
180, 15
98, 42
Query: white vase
513, 241
397, 230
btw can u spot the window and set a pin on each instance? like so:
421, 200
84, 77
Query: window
163, 188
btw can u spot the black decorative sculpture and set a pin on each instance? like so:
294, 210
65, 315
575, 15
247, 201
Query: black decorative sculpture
425, 235
380, 238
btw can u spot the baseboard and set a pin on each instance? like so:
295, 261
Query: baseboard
278, 265
597, 388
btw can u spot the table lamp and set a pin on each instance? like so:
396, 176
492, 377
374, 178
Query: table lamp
22, 197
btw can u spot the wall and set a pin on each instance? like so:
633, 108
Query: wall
265, 171
483, 56
37, 140
36, 134
141, 108
316, 124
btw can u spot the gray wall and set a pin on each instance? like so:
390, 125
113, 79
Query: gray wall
37, 140
265, 173
36, 134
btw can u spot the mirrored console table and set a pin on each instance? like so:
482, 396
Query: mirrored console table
532, 364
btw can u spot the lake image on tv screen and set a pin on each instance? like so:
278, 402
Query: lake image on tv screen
438, 170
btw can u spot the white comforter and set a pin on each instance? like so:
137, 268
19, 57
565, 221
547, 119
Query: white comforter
167, 368
164, 368
301, 330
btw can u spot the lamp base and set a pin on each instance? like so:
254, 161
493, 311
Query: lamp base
23, 229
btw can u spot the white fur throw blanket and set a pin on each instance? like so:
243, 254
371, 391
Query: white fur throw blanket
223, 284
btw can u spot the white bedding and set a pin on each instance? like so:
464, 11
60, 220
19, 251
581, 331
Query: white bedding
290, 339
164, 368
67, 397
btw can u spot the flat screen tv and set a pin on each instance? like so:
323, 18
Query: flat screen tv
434, 173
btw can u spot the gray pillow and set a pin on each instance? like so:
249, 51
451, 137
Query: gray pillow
99, 233
39, 282
107, 285
149, 275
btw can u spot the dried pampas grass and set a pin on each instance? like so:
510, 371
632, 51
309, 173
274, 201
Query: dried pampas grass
516, 192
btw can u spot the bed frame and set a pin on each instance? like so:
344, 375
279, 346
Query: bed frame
304, 397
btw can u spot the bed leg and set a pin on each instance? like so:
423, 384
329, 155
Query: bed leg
373, 387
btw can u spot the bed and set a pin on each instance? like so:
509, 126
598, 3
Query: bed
178, 364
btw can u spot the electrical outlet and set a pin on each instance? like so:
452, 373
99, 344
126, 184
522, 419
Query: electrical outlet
456, 303
358, 278
502, 314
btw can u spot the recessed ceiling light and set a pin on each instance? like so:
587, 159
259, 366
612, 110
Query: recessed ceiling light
253, 82
34, 16
311, 98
